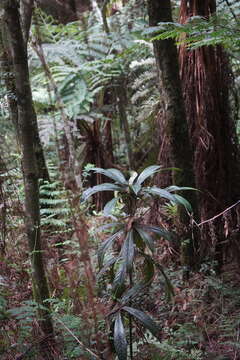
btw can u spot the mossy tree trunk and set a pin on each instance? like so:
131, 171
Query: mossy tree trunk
172, 117
26, 123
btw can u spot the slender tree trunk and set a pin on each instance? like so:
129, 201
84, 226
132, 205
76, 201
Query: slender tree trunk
206, 80
3, 208
9, 79
172, 117
26, 121
26, 10
121, 94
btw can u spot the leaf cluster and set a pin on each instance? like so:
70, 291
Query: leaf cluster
135, 240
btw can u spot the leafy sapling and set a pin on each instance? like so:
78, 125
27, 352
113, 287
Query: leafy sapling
137, 243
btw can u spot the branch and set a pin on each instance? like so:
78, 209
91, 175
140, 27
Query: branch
216, 216
231, 10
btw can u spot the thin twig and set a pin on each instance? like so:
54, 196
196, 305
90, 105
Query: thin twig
78, 341
232, 12
216, 216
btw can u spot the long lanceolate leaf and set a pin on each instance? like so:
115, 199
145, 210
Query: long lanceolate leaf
179, 200
166, 194
108, 208
113, 174
144, 319
118, 283
128, 250
103, 187
157, 230
179, 188
120, 341
155, 191
105, 245
106, 266
150, 170
148, 275
149, 241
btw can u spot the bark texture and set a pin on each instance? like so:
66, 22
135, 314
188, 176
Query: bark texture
172, 117
26, 121
175, 148
8, 72
206, 80
64, 11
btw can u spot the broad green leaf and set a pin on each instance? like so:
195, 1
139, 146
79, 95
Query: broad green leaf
155, 191
149, 241
128, 250
144, 319
182, 201
120, 342
113, 174
163, 233
103, 187
150, 170
108, 208
105, 245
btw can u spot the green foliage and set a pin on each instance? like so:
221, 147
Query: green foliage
137, 240
55, 209
85, 61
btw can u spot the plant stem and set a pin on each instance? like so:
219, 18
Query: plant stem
130, 321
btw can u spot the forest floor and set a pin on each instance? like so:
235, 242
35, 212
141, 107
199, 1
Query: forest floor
201, 320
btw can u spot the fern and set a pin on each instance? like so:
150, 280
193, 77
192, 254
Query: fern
55, 209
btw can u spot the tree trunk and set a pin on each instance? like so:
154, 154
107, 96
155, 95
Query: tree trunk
3, 208
172, 117
26, 10
9, 79
205, 81
26, 121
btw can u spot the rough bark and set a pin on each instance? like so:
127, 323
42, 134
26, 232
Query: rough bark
26, 120
173, 115
26, 10
9, 79
64, 11
206, 80
175, 143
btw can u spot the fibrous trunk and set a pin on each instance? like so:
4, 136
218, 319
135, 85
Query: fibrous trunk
206, 80
174, 137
